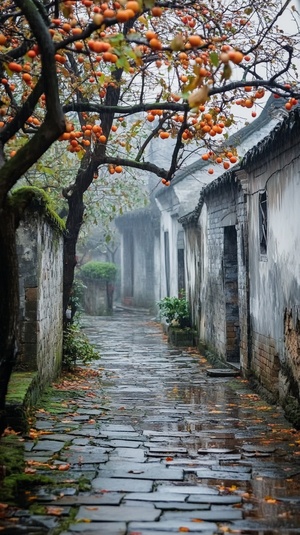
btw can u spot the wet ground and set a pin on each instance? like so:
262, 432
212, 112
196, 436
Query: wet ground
151, 444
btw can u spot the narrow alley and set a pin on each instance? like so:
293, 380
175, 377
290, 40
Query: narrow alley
154, 445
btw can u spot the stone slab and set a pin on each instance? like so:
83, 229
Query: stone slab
124, 443
130, 465
103, 528
108, 498
216, 515
233, 476
172, 525
215, 451
184, 506
54, 446
147, 472
78, 458
238, 468
121, 453
116, 428
176, 434
89, 450
185, 489
121, 485
81, 442
123, 513
252, 448
191, 463
155, 497
214, 499
91, 432
159, 451
157, 531
215, 372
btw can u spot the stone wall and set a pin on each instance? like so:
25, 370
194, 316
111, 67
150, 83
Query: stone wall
40, 253
98, 297
222, 316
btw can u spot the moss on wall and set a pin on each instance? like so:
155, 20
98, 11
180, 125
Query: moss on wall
35, 198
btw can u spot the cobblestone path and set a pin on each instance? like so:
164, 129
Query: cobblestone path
157, 446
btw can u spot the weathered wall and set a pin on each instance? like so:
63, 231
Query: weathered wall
193, 276
216, 269
137, 231
40, 253
98, 297
275, 274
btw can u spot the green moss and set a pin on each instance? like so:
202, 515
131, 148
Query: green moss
37, 199
66, 522
12, 466
23, 391
51, 400
18, 386
292, 411
84, 484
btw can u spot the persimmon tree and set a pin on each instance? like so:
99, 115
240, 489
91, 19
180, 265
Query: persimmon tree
93, 74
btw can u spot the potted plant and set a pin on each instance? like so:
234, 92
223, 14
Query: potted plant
176, 312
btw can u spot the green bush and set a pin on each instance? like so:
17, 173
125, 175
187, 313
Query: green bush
175, 310
76, 347
105, 271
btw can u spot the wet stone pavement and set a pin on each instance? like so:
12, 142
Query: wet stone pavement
154, 445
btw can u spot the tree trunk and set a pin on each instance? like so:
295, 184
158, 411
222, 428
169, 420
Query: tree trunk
74, 222
9, 303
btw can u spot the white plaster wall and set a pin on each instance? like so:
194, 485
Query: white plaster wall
275, 277
203, 272
186, 193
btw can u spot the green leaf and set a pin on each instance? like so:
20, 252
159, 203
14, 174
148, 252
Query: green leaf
214, 58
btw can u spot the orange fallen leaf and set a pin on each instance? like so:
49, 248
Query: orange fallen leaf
183, 529
64, 467
9, 431
268, 499
56, 511
169, 458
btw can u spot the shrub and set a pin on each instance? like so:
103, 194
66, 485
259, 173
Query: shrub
76, 347
175, 310
105, 271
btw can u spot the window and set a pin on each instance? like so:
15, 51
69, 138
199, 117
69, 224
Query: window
263, 222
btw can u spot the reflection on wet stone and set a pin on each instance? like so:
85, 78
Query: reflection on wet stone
172, 448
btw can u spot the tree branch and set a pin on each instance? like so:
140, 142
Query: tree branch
143, 166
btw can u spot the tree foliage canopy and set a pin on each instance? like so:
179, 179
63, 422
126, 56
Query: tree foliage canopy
83, 69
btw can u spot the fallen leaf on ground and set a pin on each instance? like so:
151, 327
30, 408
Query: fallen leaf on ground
56, 511
64, 467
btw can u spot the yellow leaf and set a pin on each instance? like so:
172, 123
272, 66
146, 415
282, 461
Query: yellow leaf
177, 42
198, 97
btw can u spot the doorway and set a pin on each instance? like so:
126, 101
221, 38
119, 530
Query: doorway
230, 264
